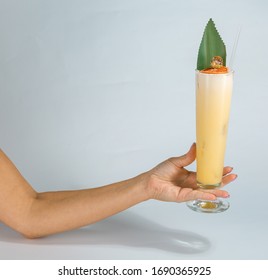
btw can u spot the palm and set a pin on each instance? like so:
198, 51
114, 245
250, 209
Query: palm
179, 176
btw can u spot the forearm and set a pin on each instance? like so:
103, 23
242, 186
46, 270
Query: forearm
54, 212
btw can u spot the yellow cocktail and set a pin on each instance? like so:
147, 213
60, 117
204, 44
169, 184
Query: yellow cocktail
213, 100
214, 86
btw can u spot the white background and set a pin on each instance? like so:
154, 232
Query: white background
93, 92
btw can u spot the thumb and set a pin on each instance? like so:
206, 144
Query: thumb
186, 159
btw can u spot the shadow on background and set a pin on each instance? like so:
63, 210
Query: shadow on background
125, 229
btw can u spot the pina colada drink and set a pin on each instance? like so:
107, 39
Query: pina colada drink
213, 100
214, 85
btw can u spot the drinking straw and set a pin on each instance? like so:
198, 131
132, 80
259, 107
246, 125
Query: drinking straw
234, 48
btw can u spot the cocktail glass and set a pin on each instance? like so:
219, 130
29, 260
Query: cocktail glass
213, 100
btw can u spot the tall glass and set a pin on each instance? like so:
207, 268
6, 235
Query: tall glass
213, 100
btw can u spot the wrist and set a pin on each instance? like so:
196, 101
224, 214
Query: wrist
143, 183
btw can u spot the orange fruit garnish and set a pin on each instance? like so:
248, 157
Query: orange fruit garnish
221, 70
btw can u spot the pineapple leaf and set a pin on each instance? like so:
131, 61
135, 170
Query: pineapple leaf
211, 45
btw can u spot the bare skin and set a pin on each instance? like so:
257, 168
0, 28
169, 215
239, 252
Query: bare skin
36, 214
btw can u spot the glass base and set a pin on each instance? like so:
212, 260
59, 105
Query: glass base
208, 206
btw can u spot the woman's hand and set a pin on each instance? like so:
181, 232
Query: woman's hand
170, 181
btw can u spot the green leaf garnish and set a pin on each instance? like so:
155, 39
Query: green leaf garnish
211, 45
